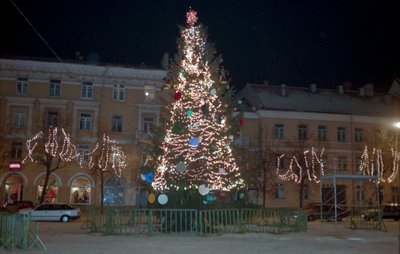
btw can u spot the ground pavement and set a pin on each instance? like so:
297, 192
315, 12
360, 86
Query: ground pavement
320, 238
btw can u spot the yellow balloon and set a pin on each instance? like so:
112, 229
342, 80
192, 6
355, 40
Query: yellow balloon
151, 198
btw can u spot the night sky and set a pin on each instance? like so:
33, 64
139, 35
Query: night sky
292, 42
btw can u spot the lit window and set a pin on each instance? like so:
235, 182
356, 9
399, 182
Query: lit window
85, 121
22, 86
54, 87
87, 90
119, 92
81, 191
117, 123
278, 131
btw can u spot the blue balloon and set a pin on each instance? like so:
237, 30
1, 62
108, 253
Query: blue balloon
149, 177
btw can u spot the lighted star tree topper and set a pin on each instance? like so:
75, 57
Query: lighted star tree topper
196, 149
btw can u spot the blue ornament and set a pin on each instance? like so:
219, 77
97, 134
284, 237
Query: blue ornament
194, 141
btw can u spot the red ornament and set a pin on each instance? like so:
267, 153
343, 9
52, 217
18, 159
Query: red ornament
240, 121
177, 96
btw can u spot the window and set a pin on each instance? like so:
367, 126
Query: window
302, 131
358, 160
81, 191
52, 119
322, 133
114, 191
54, 88
360, 193
116, 123
279, 191
19, 116
119, 92
87, 90
278, 131
358, 135
51, 190
341, 134
83, 151
85, 121
149, 93
147, 124
342, 163
16, 150
22, 86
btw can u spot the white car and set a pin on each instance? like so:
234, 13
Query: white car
53, 212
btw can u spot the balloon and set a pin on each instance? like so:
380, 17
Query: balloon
162, 199
151, 198
149, 177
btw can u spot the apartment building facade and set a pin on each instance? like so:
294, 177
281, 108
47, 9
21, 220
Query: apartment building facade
294, 132
87, 100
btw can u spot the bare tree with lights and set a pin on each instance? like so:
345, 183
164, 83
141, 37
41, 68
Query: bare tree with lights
196, 148
52, 150
306, 165
106, 157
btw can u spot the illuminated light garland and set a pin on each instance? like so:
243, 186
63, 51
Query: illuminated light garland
197, 108
372, 164
50, 142
297, 175
105, 155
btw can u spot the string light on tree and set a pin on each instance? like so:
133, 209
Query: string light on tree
372, 163
196, 149
314, 167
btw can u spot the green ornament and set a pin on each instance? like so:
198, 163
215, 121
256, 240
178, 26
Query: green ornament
189, 112
177, 128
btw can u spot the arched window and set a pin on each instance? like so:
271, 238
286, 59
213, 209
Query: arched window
51, 190
81, 190
114, 191
14, 189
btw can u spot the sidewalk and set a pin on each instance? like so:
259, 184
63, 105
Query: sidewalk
320, 238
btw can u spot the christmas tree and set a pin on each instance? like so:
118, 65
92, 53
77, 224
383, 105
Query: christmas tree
196, 148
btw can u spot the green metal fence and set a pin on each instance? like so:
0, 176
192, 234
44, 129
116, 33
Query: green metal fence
367, 218
18, 232
128, 220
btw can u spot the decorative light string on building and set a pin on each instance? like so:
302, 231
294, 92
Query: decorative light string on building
313, 167
372, 163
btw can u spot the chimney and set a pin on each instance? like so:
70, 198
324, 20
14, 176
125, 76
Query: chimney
369, 89
313, 88
340, 89
283, 90
361, 91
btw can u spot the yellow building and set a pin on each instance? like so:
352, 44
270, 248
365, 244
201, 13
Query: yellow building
290, 128
86, 100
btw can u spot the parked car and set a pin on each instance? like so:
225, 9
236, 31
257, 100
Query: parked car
313, 211
18, 205
53, 212
387, 211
